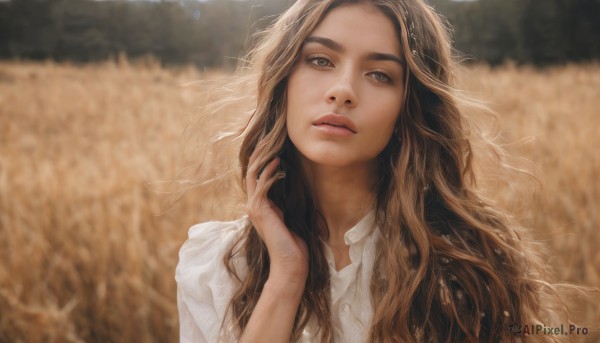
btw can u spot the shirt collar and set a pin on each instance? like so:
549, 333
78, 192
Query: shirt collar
363, 228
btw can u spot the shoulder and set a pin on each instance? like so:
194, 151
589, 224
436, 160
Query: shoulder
204, 285
201, 255
212, 235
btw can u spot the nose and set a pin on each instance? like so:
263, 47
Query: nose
342, 92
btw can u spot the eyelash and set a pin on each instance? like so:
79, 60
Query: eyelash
313, 59
377, 75
387, 79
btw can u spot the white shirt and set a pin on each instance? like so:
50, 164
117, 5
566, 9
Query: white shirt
204, 287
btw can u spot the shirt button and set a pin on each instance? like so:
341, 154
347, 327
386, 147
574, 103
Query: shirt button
346, 307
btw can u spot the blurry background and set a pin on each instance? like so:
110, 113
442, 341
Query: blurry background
209, 33
95, 98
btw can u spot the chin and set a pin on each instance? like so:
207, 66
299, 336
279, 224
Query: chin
332, 158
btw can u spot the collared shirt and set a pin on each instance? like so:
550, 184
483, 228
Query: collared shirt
204, 287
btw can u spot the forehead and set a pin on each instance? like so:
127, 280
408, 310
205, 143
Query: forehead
360, 26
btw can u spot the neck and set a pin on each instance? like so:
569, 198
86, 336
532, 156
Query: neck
343, 195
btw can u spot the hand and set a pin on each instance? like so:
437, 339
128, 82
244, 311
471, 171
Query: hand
288, 252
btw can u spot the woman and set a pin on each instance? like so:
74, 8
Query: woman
364, 223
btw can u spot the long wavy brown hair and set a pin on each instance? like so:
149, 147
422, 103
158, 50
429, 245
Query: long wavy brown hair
452, 267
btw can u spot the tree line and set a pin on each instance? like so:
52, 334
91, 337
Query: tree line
536, 32
214, 33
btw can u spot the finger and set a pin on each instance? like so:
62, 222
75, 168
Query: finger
258, 203
250, 181
257, 151
251, 172
268, 171
265, 181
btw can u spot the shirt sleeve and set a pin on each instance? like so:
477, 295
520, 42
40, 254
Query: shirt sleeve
204, 286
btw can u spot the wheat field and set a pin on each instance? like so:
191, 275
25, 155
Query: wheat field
88, 232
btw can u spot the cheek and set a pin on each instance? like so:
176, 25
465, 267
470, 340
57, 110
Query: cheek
303, 93
302, 87
292, 104
381, 126
382, 120
295, 111
294, 93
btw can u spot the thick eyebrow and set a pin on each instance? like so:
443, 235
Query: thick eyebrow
337, 47
378, 56
331, 44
